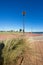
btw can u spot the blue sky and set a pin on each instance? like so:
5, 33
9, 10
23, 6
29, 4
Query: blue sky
11, 14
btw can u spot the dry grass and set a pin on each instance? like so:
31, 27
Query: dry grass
13, 50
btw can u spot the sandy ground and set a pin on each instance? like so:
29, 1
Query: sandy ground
10, 36
34, 56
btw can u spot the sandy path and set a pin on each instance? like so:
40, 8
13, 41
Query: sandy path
34, 55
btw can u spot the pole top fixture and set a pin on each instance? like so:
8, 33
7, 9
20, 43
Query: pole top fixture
23, 13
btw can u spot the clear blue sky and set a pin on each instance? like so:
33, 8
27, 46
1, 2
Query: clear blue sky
11, 14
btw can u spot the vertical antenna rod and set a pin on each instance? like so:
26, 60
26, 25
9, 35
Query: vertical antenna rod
23, 13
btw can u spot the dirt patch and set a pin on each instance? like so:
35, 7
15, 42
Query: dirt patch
17, 35
34, 54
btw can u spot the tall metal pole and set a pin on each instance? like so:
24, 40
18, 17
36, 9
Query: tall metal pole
23, 13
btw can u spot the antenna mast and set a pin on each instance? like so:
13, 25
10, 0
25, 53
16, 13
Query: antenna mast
23, 13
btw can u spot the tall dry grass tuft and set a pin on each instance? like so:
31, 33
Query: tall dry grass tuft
13, 51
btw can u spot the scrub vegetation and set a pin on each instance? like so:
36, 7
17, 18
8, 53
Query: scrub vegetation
12, 52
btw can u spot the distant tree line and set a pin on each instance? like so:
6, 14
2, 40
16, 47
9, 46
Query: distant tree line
20, 30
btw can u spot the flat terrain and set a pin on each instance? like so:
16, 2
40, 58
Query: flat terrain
10, 35
34, 54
